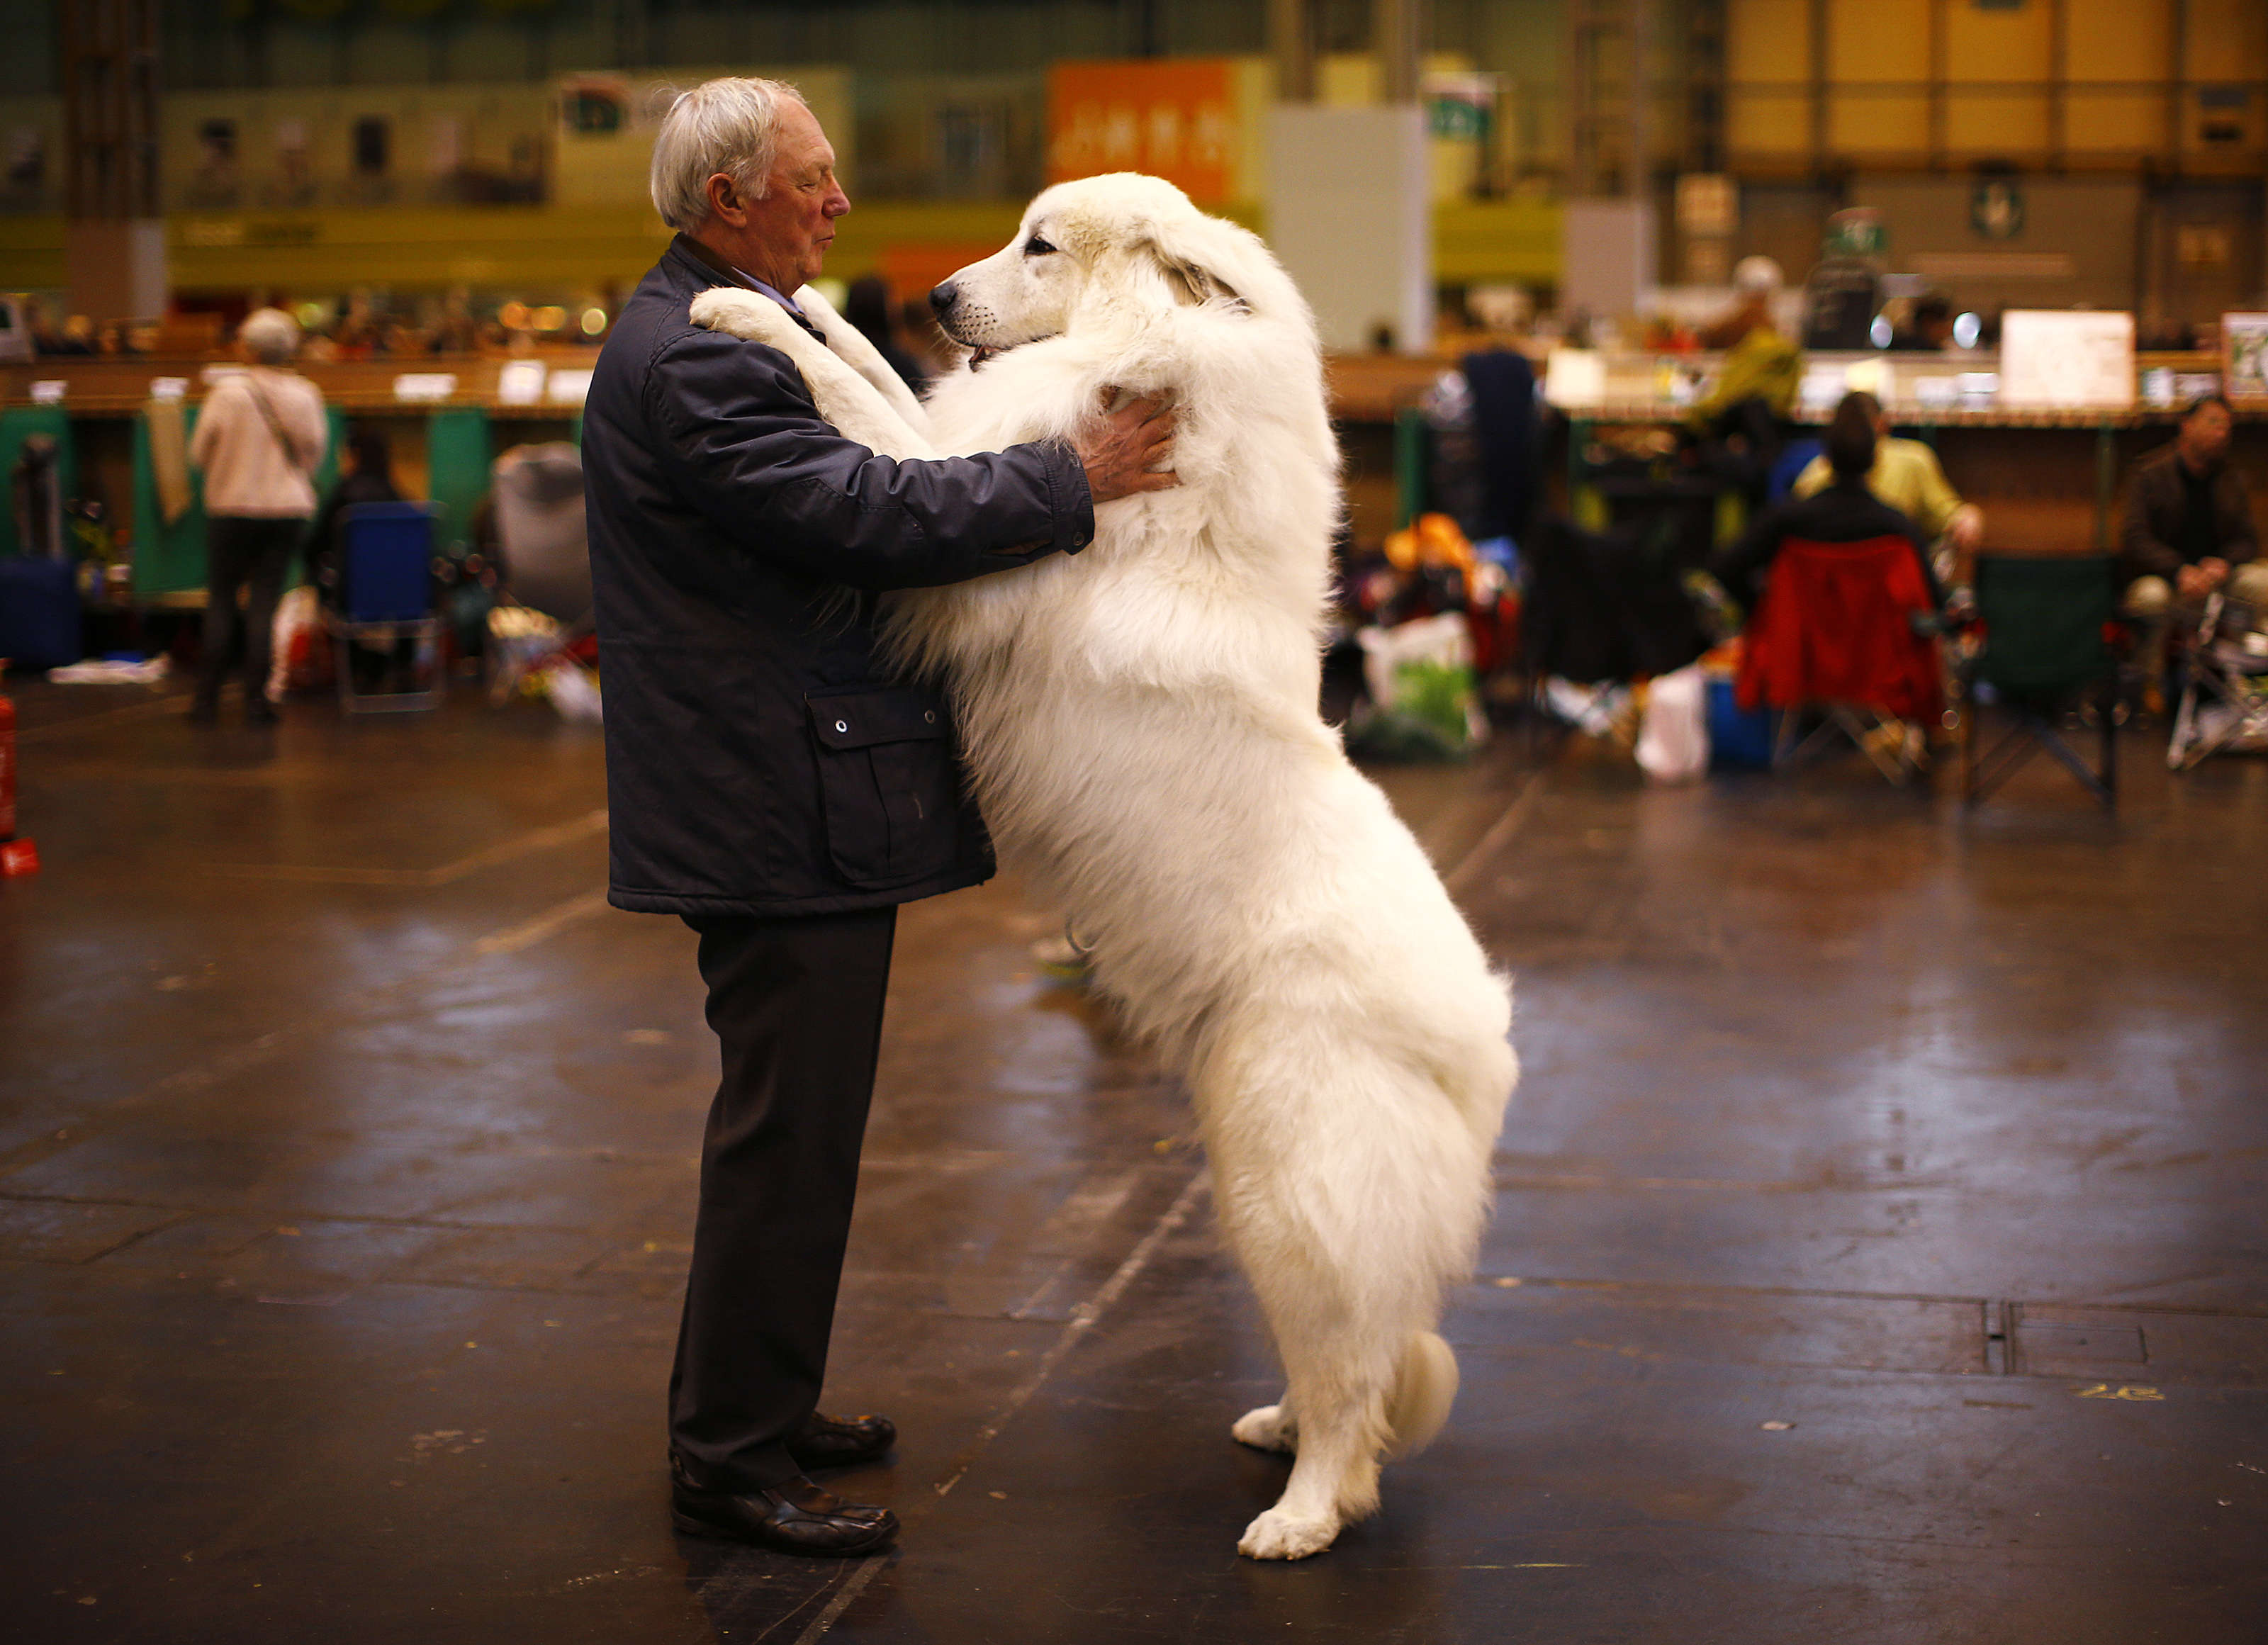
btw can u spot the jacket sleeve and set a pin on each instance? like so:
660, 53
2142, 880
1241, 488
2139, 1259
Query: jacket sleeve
2141, 551
747, 446
210, 415
1939, 502
310, 429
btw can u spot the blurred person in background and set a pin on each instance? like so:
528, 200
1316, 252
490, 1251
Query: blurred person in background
365, 475
2188, 532
738, 542
934, 354
1738, 422
1846, 510
1928, 328
1907, 476
259, 437
867, 306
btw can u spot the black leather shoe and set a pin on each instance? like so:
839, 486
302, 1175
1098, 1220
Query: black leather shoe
825, 1441
797, 1517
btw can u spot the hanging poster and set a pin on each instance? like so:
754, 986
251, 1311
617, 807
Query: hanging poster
2245, 358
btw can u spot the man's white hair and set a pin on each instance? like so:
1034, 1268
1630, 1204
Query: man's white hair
730, 126
271, 334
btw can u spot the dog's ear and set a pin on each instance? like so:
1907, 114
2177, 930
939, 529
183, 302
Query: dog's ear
1190, 274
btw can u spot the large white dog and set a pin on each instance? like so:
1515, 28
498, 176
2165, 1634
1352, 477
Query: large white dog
1141, 724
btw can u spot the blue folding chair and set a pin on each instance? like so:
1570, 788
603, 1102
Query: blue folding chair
386, 600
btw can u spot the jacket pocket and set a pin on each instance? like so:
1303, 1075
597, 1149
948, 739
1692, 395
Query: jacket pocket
888, 784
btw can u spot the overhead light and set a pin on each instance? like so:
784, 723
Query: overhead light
1879, 333
1966, 329
550, 317
594, 322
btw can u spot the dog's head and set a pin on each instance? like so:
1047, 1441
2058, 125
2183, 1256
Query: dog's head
1122, 244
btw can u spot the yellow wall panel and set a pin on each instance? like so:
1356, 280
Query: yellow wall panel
2228, 39
1994, 45
1768, 39
2115, 122
1868, 40
1866, 126
1767, 123
2118, 39
1981, 122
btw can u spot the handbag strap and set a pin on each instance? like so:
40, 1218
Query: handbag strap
275, 427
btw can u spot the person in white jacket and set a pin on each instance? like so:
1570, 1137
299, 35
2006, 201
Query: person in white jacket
259, 437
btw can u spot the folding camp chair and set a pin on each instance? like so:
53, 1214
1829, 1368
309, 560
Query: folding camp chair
1844, 632
385, 603
2043, 626
2224, 687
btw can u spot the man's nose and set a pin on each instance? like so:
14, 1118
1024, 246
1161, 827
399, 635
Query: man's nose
943, 296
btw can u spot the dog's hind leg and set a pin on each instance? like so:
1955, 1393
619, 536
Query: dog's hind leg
1268, 1428
1349, 1192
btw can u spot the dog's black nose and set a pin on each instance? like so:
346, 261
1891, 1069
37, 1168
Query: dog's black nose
943, 296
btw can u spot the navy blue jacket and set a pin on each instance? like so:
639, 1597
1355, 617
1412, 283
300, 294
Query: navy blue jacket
759, 760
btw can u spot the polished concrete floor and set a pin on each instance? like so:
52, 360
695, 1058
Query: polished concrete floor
1880, 1251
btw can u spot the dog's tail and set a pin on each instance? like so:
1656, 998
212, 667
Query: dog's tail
1424, 1388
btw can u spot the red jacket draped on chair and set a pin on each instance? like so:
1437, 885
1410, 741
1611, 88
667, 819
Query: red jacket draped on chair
1835, 626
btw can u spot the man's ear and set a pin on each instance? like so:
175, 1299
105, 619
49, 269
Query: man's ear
724, 199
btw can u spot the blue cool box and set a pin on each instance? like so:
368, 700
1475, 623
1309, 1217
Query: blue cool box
1738, 741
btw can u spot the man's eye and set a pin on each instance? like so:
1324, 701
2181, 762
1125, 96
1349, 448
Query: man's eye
1037, 247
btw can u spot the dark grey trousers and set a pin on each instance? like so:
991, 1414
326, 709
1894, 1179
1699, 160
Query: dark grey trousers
243, 552
797, 1007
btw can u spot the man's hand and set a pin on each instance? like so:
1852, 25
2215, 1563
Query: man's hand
1966, 529
1122, 451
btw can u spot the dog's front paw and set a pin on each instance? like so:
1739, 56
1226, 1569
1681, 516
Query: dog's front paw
1276, 1535
1267, 1429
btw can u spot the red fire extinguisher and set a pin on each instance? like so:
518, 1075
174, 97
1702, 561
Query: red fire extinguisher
16, 856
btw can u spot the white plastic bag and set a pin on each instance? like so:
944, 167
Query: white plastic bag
1673, 733
573, 690
1424, 701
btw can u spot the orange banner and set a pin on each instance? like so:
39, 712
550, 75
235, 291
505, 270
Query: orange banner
1174, 118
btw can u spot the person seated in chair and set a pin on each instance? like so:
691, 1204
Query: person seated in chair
1846, 510
366, 476
1845, 513
1906, 476
2188, 532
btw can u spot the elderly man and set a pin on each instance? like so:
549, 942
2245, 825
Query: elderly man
768, 781
261, 436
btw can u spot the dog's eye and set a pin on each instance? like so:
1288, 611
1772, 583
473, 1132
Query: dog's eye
1037, 247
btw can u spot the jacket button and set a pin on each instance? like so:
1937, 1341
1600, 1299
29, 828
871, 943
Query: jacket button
842, 725
1079, 541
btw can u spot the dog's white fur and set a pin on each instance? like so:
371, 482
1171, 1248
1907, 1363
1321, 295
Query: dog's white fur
1140, 721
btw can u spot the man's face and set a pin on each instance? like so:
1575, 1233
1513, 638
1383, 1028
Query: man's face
794, 222
2205, 436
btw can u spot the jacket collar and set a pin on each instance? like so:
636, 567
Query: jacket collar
708, 270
